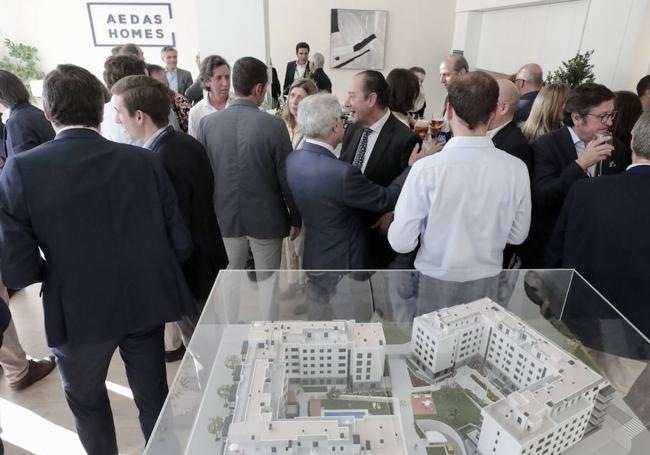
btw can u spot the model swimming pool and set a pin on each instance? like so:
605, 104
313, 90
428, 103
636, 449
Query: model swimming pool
356, 413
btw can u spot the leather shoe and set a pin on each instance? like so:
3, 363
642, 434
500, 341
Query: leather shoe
176, 355
37, 370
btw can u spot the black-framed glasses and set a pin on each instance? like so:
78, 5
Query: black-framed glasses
606, 117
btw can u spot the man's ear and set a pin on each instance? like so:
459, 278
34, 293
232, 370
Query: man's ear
48, 115
576, 117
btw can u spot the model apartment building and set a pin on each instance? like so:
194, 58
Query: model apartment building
316, 354
555, 398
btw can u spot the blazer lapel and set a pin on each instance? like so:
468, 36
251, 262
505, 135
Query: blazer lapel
381, 144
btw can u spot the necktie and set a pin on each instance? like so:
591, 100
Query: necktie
361, 149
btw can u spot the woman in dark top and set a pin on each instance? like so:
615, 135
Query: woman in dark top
628, 110
25, 126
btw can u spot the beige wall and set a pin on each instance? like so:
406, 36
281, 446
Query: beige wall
419, 32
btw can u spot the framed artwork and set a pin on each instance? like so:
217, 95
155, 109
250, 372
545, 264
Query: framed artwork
357, 39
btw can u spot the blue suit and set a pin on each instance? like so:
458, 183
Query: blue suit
25, 128
332, 196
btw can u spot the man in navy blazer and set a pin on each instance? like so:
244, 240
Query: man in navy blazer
107, 221
602, 232
577, 151
331, 194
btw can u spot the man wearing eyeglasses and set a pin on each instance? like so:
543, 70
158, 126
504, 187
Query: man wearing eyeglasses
582, 148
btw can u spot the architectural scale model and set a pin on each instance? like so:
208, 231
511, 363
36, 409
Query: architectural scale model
554, 398
339, 354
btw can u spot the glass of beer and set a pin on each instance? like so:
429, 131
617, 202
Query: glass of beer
436, 125
421, 128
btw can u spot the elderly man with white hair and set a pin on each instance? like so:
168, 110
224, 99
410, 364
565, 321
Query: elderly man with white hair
529, 80
331, 194
323, 82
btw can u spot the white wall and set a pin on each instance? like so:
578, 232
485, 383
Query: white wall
419, 32
502, 35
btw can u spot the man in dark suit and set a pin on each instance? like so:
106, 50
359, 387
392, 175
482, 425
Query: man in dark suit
378, 144
316, 66
577, 151
331, 195
602, 232
508, 137
179, 79
298, 68
529, 81
106, 218
142, 105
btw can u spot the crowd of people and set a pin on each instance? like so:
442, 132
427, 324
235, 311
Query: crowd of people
125, 199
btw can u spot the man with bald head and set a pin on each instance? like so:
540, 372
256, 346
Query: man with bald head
451, 66
507, 136
529, 80
503, 130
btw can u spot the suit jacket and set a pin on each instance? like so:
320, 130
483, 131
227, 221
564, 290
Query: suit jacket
554, 172
322, 80
248, 149
106, 218
510, 139
289, 75
602, 232
26, 128
388, 159
184, 80
332, 196
525, 105
188, 167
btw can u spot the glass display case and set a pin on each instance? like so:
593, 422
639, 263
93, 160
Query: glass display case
397, 362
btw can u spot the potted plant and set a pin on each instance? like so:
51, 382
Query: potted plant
573, 72
22, 60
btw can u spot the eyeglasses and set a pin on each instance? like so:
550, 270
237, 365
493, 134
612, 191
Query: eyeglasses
608, 116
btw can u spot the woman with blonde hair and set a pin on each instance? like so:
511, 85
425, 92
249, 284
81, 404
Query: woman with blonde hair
292, 250
301, 88
546, 113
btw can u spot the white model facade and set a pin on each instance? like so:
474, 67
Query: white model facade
311, 353
555, 398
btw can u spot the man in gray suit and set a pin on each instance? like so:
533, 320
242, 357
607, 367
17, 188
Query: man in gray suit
179, 79
332, 194
247, 149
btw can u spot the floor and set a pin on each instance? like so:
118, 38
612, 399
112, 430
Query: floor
37, 420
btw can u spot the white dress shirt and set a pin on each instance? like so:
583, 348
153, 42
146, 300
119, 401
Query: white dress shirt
372, 138
114, 131
172, 78
200, 110
464, 203
300, 71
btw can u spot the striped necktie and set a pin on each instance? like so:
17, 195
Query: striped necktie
361, 149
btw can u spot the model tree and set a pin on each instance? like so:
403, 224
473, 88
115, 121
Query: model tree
215, 426
232, 361
574, 71
224, 392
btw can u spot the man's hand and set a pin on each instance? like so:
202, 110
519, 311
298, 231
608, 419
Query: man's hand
294, 232
416, 154
383, 223
596, 151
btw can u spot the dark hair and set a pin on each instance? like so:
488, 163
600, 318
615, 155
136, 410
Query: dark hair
115, 68
131, 49
474, 97
167, 49
12, 90
116, 51
151, 68
643, 85
629, 109
375, 82
208, 65
302, 45
146, 94
73, 96
403, 88
247, 73
418, 69
583, 98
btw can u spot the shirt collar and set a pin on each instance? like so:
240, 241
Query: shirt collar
636, 164
322, 144
493, 132
153, 137
71, 127
574, 136
5, 115
469, 141
171, 71
379, 124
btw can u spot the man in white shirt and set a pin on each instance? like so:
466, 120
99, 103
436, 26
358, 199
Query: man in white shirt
215, 77
467, 201
298, 68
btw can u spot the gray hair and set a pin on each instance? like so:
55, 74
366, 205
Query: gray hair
459, 62
531, 73
641, 136
318, 60
318, 114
